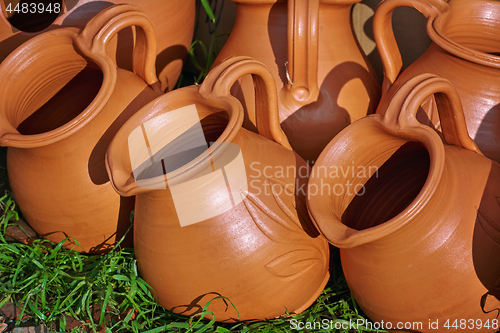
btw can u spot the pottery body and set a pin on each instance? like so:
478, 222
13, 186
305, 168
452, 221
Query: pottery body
465, 49
173, 32
419, 234
205, 228
324, 80
62, 100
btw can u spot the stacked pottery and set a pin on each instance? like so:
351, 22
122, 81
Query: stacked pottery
215, 214
419, 235
324, 80
62, 99
465, 49
172, 47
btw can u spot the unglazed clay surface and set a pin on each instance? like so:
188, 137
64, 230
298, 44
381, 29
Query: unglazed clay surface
324, 80
173, 32
419, 236
62, 99
230, 220
465, 49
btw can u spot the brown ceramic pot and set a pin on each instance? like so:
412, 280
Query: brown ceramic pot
62, 98
465, 49
229, 220
173, 21
416, 219
324, 80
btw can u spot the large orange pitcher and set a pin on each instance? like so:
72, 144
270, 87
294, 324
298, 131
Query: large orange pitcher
417, 219
324, 80
220, 211
62, 98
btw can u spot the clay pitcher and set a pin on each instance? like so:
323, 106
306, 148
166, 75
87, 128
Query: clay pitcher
62, 98
465, 49
166, 15
220, 211
324, 80
416, 218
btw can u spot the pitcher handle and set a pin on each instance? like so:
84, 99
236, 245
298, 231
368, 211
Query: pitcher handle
384, 35
222, 77
302, 62
104, 26
403, 108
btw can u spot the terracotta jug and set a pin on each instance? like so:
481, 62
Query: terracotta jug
174, 32
62, 98
324, 80
418, 220
465, 49
221, 219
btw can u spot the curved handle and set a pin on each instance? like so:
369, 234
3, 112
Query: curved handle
222, 77
302, 65
384, 35
403, 108
96, 35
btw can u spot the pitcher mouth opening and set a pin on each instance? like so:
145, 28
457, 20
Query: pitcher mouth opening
183, 156
62, 93
375, 188
178, 143
391, 189
471, 34
67, 103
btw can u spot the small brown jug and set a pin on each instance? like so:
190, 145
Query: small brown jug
62, 99
324, 80
226, 219
465, 50
173, 21
417, 220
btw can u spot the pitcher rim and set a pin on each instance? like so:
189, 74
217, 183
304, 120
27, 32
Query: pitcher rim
229, 105
343, 236
437, 35
100, 100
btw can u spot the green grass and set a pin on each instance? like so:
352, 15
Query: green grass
106, 292
200, 56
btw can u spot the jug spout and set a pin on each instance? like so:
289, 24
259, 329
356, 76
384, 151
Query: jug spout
6, 132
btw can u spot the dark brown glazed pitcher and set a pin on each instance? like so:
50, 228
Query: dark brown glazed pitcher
62, 98
417, 219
